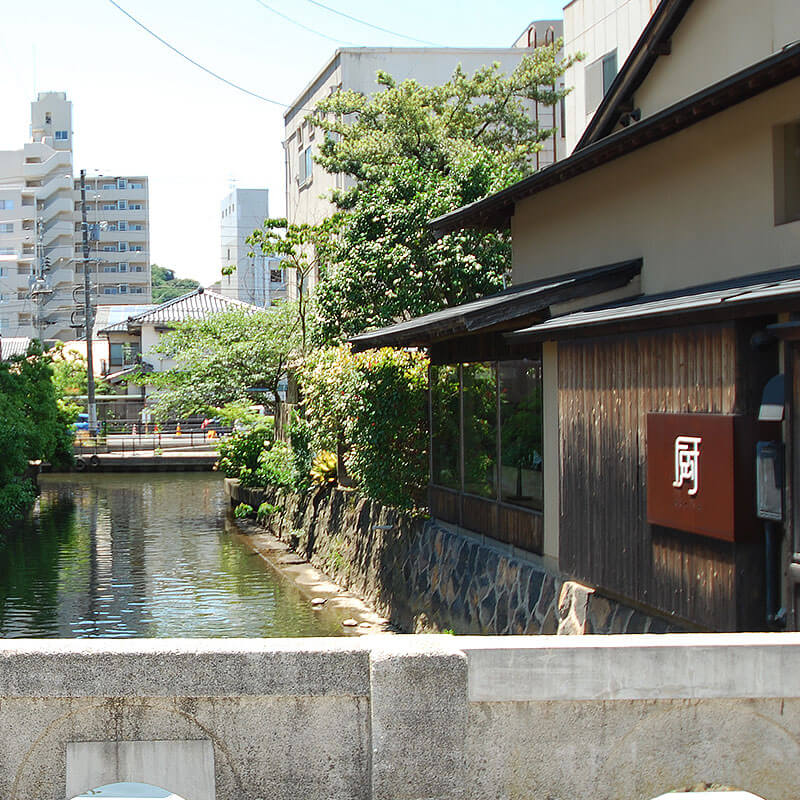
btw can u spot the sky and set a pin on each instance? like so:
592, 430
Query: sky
138, 108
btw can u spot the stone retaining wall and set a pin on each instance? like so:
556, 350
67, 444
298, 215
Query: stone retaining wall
425, 576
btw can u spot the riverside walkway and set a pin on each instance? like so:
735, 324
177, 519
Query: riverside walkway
403, 718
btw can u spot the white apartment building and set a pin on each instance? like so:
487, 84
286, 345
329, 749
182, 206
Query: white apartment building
256, 279
40, 230
308, 186
36, 223
605, 31
117, 215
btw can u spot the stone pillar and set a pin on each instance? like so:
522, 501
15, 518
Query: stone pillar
418, 713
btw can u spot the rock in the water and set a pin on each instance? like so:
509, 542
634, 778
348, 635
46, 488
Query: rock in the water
349, 623
318, 601
364, 625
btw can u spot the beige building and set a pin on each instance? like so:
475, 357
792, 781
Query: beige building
117, 214
652, 330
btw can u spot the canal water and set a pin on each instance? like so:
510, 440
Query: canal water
142, 555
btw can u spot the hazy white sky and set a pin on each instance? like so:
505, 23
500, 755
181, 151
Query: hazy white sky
140, 109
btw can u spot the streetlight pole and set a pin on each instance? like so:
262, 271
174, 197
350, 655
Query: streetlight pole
89, 315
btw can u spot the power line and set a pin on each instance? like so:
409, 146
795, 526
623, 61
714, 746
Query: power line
300, 24
196, 63
369, 24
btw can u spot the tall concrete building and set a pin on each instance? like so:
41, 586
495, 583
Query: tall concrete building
117, 213
41, 256
308, 186
256, 279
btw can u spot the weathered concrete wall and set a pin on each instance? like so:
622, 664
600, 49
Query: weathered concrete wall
424, 576
409, 717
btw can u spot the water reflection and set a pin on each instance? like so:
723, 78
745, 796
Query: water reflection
141, 555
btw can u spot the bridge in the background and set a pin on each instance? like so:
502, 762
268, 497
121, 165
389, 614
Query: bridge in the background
403, 718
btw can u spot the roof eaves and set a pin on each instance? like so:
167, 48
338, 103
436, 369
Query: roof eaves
653, 43
497, 209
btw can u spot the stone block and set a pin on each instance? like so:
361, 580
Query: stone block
418, 720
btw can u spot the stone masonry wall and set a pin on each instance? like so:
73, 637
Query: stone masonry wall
424, 576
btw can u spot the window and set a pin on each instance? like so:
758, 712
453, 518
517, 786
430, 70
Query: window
61, 136
6, 205
122, 183
305, 167
479, 398
137, 289
599, 76
7, 251
122, 225
2, 272
123, 288
110, 268
123, 247
110, 290
122, 205
136, 227
133, 206
136, 186
109, 248
6, 227
276, 276
109, 186
123, 266
521, 447
137, 268
445, 434
121, 355
786, 154
109, 206
48, 118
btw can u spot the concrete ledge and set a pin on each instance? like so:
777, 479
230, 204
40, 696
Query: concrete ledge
633, 667
184, 668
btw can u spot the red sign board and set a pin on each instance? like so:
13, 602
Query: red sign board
695, 462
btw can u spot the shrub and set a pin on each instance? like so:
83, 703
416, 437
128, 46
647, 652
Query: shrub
301, 436
242, 511
377, 403
265, 511
323, 468
240, 452
275, 467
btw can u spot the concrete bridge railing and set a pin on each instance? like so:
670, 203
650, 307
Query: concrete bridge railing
403, 718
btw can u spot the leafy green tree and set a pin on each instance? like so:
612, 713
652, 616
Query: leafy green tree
32, 427
167, 287
415, 153
217, 359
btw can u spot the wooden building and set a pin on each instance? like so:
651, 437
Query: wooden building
604, 412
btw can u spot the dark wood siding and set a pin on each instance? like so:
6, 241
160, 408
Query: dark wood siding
606, 389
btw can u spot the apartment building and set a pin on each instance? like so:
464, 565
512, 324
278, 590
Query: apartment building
117, 214
41, 253
256, 279
308, 186
36, 223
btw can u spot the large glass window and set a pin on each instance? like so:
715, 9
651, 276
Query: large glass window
521, 433
446, 419
480, 429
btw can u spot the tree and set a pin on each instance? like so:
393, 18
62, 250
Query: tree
415, 153
32, 426
219, 358
302, 247
167, 287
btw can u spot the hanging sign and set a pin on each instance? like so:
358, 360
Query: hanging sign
695, 464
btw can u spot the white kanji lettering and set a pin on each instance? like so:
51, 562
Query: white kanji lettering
687, 462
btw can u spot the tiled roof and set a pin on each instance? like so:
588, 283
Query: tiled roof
11, 346
197, 304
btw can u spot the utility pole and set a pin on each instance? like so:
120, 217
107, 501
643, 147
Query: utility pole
40, 291
88, 312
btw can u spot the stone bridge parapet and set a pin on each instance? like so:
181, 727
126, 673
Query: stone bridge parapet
404, 717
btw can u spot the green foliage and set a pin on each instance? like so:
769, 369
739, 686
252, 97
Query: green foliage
377, 403
32, 426
241, 451
241, 412
218, 358
416, 153
242, 511
265, 511
167, 287
301, 436
276, 467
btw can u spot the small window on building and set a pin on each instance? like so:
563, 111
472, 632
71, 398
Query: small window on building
276, 276
6, 227
599, 76
123, 288
123, 266
110, 268
123, 247
305, 167
110, 290
6, 205
61, 136
48, 118
122, 205
787, 172
122, 225
122, 183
